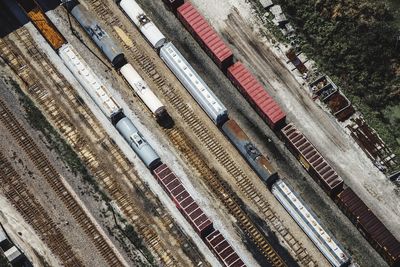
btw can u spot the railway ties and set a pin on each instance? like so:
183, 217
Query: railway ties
26, 204
89, 157
180, 140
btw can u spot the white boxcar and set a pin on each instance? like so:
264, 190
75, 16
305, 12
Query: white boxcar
145, 25
142, 90
89, 80
306, 219
194, 84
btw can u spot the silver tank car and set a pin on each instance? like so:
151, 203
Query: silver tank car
97, 34
194, 83
145, 152
142, 21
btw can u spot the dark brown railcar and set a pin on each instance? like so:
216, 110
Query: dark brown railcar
223, 250
183, 201
310, 158
370, 226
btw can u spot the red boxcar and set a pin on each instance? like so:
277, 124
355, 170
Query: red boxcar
255, 93
312, 160
183, 201
205, 35
173, 4
224, 251
370, 226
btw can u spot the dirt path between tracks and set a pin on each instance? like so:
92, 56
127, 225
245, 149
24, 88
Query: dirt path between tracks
320, 127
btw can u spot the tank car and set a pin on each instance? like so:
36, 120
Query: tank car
142, 21
307, 220
249, 151
90, 82
143, 91
113, 52
136, 141
194, 84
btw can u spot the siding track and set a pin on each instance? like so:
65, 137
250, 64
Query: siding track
214, 181
93, 161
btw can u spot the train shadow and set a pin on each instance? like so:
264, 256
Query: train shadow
12, 16
166, 121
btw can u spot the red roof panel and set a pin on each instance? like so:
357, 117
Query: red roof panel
202, 29
250, 86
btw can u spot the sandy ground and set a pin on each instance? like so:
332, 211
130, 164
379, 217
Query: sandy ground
22, 234
140, 168
320, 127
267, 142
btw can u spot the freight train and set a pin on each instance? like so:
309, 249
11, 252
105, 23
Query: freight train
116, 57
218, 113
98, 91
255, 93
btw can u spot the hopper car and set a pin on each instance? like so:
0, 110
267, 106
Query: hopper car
172, 185
268, 109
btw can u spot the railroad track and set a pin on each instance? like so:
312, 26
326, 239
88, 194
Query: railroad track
27, 205
93, 158
52, 177
179, 139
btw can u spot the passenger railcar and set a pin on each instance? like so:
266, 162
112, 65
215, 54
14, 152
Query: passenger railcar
169, 181
309, 223
249, 151
107, 45
312, 160
90, 82
211, 42
194, 83
143, 22
102, 97
143, 91
256, 94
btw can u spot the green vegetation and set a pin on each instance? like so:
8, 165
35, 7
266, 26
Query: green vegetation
131, 234
67, 154
354, 42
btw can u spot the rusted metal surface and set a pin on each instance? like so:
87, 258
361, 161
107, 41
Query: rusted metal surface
312, 160
42, 23
370, 226
291, 55
340, 106
370, 142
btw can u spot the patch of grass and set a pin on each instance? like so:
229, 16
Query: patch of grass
39, 122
